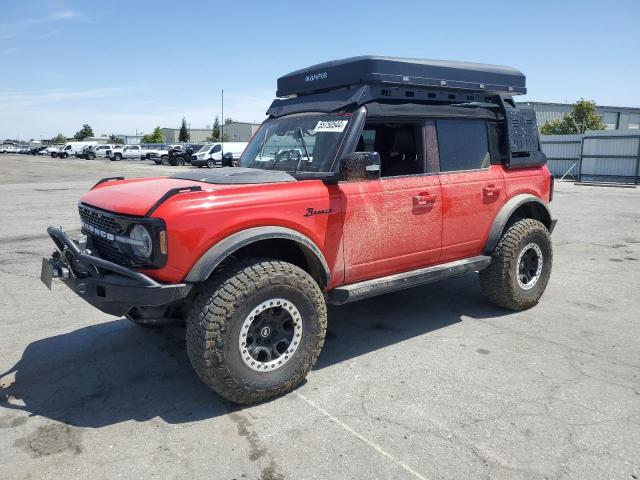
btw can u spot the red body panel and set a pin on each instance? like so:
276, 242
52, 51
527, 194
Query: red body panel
369, 228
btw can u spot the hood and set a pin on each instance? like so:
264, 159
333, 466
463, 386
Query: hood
132, 197
137, 196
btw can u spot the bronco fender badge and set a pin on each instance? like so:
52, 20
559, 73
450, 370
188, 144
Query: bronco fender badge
311, 212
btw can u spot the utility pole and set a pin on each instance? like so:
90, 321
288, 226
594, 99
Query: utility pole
222, 131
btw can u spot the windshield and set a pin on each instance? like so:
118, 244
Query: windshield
298, 143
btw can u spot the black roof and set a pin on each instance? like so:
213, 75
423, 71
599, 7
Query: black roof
409, 72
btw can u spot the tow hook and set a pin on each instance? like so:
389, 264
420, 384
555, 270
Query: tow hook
58, 268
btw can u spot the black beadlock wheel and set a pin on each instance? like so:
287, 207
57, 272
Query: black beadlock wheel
255, 329
520, 267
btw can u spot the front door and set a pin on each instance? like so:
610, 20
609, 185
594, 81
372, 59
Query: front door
392, 224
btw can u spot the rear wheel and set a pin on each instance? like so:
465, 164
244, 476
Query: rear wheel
255, 329
117, 157
520, 267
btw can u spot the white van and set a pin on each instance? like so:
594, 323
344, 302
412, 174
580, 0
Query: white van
73, 148
211, 155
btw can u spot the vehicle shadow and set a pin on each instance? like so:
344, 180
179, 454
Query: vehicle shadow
115, 371
362, 327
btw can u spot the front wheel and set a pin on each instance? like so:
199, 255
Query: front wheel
520, 267
164, 159
255, 329
180, 162
211, 163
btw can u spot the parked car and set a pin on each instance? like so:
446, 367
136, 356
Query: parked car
50, 149
389, 182
8, 149
147, 152
101, 150
180, 156
125, 151
72, 148
35, 150
90, 152
218, 155
161, 156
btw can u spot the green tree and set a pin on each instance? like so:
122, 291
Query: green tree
184, 135
113, 138
60, 138
228, 120
583, 117
155, 137
215, 131
84, 132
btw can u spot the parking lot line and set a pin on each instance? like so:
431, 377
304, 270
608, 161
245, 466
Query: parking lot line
361, 437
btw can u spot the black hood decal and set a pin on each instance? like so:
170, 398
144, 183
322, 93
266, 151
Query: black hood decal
235, 175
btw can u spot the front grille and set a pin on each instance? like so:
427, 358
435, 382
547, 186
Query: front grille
105, 228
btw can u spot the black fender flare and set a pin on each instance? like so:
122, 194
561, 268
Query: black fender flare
507, 211
213, 257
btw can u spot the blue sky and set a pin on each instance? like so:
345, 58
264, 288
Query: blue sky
126, 65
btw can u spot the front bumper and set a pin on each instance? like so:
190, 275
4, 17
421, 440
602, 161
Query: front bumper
109, 287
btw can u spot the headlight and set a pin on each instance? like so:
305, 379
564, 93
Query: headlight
141, 241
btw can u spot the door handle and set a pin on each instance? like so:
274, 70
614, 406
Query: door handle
423, 198
491, 190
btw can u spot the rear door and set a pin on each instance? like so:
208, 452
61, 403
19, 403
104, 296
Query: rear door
473, 188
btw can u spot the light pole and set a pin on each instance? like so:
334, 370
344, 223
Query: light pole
222, 131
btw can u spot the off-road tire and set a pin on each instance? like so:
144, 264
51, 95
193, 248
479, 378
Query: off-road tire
164, 159
180, 162
499, 281
217, 315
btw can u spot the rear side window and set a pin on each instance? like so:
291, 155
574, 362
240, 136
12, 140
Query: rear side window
463, 145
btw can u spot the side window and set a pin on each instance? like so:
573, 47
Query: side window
399, 146
216, 149
463, 145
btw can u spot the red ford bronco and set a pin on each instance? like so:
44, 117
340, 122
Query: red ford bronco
371, 174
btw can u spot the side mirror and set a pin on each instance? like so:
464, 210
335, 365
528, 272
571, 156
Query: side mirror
360, 166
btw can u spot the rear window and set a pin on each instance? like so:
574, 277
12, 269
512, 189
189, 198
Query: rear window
463, 145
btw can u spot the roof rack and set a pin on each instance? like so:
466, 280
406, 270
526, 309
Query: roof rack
405, 72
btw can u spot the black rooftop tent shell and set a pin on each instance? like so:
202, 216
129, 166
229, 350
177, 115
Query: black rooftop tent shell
408, 72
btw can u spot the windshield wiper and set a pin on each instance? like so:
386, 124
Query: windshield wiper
304, 145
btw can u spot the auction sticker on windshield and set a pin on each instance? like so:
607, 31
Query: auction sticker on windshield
331, 126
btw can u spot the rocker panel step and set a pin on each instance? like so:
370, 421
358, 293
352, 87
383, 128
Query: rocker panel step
400, 281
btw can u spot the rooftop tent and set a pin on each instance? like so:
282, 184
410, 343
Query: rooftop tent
409, 72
